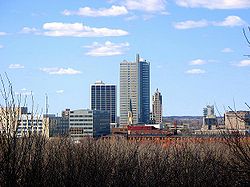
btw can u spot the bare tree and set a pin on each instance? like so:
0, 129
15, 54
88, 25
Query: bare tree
19, 154
33, 160
247, 38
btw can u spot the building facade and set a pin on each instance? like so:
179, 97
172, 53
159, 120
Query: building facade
88, 123
58, 126
103, 97
19, 122
32, 124
209, 118
239, 120
135, 91
157, 107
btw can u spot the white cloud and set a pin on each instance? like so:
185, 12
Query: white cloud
146, 5
16, 66
60, 91
189, 24
1, 46
28, 30
3, 33
214, 4
87, 11
60, 71
195, 71
107, 49
133, 17
79, 30
197, 62
227, 50
231, 21
244, 63
24, 93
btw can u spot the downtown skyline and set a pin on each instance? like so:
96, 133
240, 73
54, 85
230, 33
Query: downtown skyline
195, 48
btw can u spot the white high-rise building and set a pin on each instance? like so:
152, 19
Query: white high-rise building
157, 107
134, 91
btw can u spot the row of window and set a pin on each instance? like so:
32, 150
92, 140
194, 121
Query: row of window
81, 119
81, 116
80, 124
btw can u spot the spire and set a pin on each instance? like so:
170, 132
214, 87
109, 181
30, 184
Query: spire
130, 105
130, 113
137, 58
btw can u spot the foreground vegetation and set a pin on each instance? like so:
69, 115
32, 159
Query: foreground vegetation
37, 161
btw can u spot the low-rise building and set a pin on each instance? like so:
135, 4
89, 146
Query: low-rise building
88, 123
58, 126
32, 124
239, 120
19, 122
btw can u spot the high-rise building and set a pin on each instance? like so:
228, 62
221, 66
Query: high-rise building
144, 90
157, 107
103, 97
134, 91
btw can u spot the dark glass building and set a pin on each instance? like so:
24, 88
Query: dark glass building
144, 90
103, 97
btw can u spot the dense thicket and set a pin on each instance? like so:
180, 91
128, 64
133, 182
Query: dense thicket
37, 161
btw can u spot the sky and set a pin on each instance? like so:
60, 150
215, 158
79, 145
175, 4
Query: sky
196, 50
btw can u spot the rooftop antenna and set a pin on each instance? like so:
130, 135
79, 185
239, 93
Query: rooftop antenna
137, 58
46, 105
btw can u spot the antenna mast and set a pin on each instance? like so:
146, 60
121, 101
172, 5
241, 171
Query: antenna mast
46, 105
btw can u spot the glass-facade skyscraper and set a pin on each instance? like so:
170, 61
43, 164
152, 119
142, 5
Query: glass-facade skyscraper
103, 97
135, 91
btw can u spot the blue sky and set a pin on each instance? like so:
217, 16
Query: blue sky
60, 47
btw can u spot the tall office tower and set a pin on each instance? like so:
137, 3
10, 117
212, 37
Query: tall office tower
134, 91
157, 107
144, 90
103, 97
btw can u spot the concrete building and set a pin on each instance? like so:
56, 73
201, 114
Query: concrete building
103, 97
157, 126
209, 118
210, 123
239, 120
32, 124
157, 107
18, 121
58, 126
88, 123
65, 113
134, 91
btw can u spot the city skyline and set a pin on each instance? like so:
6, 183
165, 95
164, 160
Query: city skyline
195, 49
